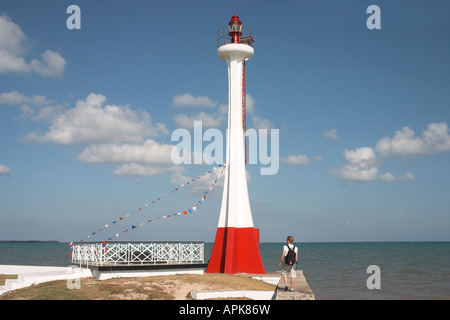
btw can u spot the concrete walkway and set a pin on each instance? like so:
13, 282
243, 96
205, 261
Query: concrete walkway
301, 290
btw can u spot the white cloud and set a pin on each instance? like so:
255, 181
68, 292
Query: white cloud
435, 139
208, 120
13, 46
111, 133
90, 121
407, 176
389, 177
140, 170
135, 160
17, 98
250, 104
12, 38
4, 169
149, 152
361, 165
201, 185
260, 123
52, 64
48, 113
35, 107
318, 158
331, 134
223, 109
214, 120
295, 159
188, 100
26, 111
299, 159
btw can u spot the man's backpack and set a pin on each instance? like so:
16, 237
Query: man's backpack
289, 259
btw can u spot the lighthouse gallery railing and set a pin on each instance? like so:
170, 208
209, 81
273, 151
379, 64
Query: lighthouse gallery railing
223, 37
136, 253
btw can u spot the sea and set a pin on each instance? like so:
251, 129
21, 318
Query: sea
334, 271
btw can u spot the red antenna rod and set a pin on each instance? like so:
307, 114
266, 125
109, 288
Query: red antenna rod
244, 111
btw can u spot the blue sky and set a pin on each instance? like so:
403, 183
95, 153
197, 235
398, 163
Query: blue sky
86, 118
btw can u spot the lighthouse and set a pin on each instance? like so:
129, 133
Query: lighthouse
236, 246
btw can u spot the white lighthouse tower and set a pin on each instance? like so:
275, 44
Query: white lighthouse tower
236, 246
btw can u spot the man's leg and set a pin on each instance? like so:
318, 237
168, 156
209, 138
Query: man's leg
285, 276
293, 275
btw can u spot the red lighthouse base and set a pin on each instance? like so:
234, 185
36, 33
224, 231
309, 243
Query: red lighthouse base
236, 250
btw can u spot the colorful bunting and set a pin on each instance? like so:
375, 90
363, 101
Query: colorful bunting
202, 200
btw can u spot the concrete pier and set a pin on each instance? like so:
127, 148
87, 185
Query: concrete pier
301, 290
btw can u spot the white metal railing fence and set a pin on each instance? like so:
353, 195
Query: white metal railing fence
136, 253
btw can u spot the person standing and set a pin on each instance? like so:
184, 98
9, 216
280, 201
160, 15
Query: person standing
289, 258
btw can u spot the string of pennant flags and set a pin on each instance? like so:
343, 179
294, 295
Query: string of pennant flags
190, 210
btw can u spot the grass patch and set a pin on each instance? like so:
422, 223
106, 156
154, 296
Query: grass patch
142, 288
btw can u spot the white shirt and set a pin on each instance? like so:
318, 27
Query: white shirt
290, 246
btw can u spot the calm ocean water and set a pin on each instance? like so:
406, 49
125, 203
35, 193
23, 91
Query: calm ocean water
409, 270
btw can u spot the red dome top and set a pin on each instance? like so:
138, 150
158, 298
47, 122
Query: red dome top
235, 18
